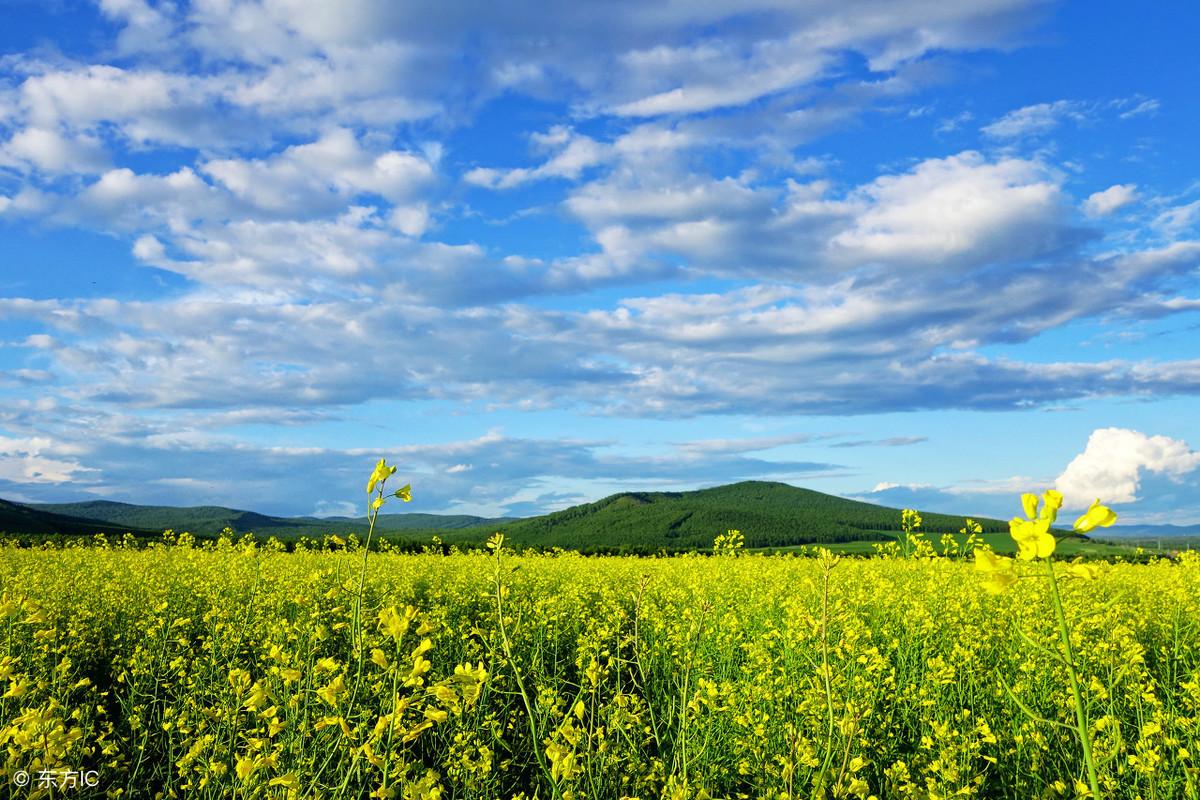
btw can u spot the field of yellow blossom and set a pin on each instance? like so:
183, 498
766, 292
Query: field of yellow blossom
231, 671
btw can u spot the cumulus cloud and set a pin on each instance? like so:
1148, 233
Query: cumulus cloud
956, 213
624, 56
49, 150
144, 28
1151, 480
1115, 197
774, 349
958, 210
322, 176
261, 71
266, 222
1115, 461
39, 460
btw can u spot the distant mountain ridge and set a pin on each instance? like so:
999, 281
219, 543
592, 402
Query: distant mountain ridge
211, 520
1148, 531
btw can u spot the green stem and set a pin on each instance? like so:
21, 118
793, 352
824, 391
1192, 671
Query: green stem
355, 637
362, 579
387, 757
1064, 633
508, 655
825, 675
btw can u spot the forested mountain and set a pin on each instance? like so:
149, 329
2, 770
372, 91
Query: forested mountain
768, 515
16, 518
211, 520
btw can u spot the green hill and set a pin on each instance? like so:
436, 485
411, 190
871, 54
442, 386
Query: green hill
197, 519
211, 520
21, 519
768, 515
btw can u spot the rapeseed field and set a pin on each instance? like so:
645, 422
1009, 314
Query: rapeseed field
238, 670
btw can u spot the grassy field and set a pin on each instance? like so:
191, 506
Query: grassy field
1165, 543
243, 672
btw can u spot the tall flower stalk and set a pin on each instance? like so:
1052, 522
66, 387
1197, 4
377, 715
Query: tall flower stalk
378, 496
1035, 542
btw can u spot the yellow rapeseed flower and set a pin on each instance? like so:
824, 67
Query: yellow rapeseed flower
1033, 538
1054, 501
332, 690
245, 766
1029, 502
1096, 516
1032, 535
288, 780
1084, 571
382, 473
395, 624
1001, 571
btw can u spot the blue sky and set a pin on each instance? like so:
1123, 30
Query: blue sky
919, 253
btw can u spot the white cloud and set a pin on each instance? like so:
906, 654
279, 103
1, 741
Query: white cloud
726, 446
1178, 219
273, 336
715, 75
99, 92
1144, 106
1035, 119
145, 28
891, 441
1117, 196
960, 213
322, 175
951, 124
50, 151
886, 486
125, 201
960, 210
1113, 463
336, 508
575, 153
38, 460
212, 73
602, 204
